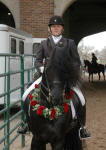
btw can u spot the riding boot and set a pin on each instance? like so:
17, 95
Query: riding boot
81, 116
26, 126
23, 129
83, 134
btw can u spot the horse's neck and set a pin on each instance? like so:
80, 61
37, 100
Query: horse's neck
89, 64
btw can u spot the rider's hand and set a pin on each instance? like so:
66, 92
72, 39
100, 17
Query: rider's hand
41, 69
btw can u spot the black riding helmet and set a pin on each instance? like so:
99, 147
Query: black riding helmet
56, 20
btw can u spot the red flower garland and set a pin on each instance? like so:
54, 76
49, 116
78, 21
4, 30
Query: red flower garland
67, 96
40, 110
30, 96
70, 95
53, 112
36, 86
66, 107
33, 103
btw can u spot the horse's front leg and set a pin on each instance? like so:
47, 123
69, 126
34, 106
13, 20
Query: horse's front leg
92, 77
89, 77
37, 145
99, 75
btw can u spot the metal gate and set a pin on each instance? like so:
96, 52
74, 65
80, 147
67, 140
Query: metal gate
14, 76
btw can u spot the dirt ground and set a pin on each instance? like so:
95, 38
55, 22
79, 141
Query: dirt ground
95, 94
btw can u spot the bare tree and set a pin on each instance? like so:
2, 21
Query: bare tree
102, 56
85, 51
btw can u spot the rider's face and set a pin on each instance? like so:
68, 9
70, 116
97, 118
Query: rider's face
56, 30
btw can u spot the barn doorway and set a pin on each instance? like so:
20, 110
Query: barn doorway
6, 16
83, 18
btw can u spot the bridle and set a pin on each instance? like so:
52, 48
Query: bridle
47, 88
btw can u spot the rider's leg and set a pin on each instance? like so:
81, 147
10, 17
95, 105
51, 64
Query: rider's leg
83, 133
81, 113
26, 127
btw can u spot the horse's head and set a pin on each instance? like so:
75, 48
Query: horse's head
60, 71
87, 63
55, 85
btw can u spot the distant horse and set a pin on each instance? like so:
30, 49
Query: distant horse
61, 132
92, 69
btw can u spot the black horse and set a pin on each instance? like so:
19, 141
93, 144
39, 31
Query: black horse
93, 69
59, 76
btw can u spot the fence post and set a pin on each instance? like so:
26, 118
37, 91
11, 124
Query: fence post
5, 102
8, 107
22, 91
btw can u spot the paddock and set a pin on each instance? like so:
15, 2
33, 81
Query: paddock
95, 94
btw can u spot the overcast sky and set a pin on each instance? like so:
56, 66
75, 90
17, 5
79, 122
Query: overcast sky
96, 40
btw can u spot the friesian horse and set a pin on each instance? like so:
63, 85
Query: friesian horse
59, 76
92, 69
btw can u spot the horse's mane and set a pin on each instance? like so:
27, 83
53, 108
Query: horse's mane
63, 63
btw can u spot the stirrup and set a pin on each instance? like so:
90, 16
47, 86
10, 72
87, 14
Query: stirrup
22, 128
81, 128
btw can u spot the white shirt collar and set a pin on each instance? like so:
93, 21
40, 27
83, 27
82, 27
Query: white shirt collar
56, 39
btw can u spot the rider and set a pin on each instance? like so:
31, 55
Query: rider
94, 59
56, 27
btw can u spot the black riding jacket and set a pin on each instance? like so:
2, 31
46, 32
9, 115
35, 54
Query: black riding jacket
44, 51
94, 59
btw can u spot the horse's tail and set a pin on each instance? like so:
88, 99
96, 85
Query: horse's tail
72, 140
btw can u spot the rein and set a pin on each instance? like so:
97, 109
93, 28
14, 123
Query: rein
47, 88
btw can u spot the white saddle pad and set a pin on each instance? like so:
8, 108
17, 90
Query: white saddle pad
81, 98
79, 94
32, 87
